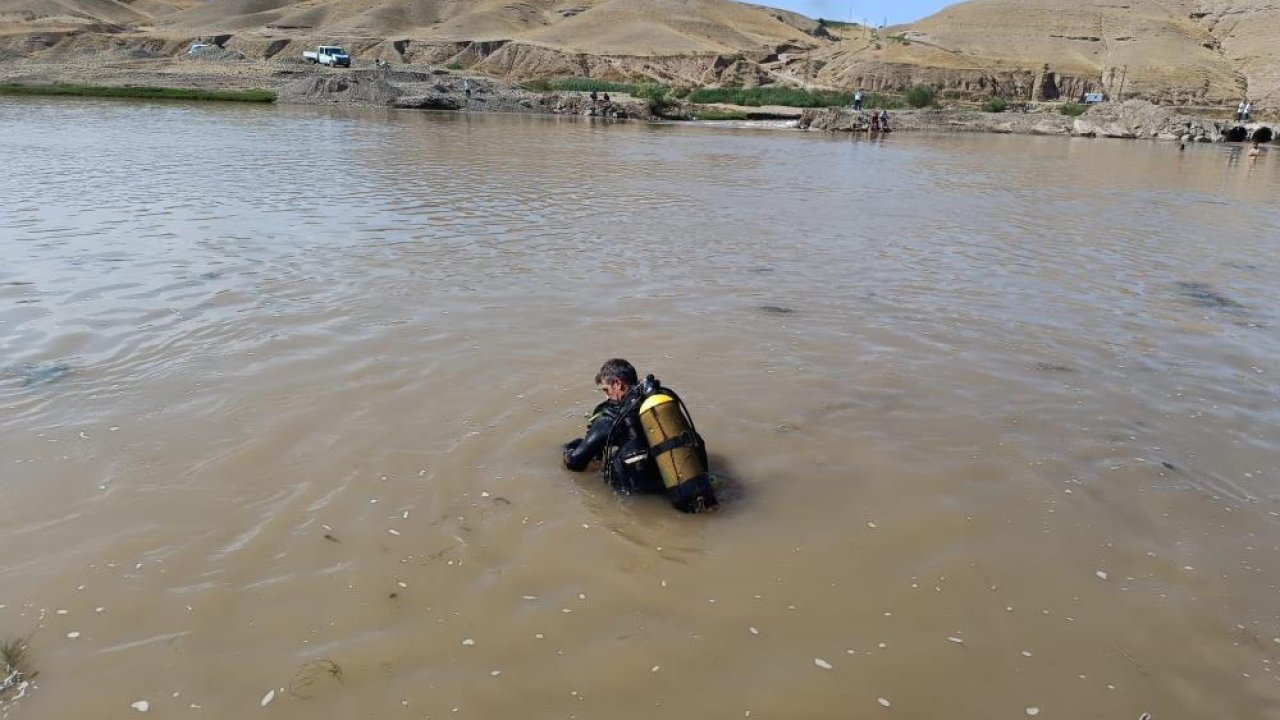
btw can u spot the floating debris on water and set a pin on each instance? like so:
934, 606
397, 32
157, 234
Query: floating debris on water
1033, 711
468, 642
775, 309
1102, 575
655, 668
266, 699
141, 706
822, 663
38, 374
1204, 295
956, 640
883, 702
753, 631
313, 677
73, 634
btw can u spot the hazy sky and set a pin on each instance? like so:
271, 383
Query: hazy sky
873, 11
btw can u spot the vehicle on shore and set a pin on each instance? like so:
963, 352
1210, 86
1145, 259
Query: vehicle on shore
330, 55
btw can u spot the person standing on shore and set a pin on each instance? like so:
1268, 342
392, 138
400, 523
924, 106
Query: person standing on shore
466, 88
1240, 112
1247, 107
857, 100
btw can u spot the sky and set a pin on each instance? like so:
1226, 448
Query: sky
873, 11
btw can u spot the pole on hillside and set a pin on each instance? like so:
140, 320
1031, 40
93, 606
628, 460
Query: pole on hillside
1124, 71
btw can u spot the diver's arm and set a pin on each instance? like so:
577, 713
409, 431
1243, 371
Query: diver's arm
579, 453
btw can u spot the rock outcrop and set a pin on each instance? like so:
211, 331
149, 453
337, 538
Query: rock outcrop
1130, 119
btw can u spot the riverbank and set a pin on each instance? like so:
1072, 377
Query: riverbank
428, 87
1132, 119
145, 93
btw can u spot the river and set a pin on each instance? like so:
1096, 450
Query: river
282, 390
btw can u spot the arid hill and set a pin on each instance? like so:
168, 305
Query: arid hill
1186, 52
1172, 51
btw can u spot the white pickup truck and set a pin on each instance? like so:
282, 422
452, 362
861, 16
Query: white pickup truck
330, 55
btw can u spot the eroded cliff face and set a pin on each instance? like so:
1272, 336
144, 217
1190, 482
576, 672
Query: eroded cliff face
1044, 49
1177, 52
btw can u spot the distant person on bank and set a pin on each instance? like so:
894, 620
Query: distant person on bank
857, 99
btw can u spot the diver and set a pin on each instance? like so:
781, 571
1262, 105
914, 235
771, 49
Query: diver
645, 440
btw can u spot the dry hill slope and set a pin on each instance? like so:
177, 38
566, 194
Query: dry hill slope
1193, 52
31, 15
1173, 51
616, 27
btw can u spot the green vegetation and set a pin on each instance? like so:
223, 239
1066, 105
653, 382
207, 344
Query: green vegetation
537, 85
920, 96
995, 105
884, 102
719, 115
770, 95
581, 84
1072, 109
152, 93
453, 66
823, 22
658, 96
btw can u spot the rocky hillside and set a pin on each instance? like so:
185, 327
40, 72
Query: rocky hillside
1184, 52
1169, 51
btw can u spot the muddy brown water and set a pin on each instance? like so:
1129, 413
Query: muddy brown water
283, 388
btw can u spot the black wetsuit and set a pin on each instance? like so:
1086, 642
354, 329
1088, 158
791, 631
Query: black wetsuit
620, 443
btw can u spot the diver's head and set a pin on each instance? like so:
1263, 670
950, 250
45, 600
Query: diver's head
616, 377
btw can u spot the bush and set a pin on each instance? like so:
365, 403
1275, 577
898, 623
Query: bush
995, 105
658, 97
920, 96
453, 66
1072, 109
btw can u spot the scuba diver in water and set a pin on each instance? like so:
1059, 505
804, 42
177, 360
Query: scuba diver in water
645, 439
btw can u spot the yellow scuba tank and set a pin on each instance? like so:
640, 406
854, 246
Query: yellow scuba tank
678, 451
